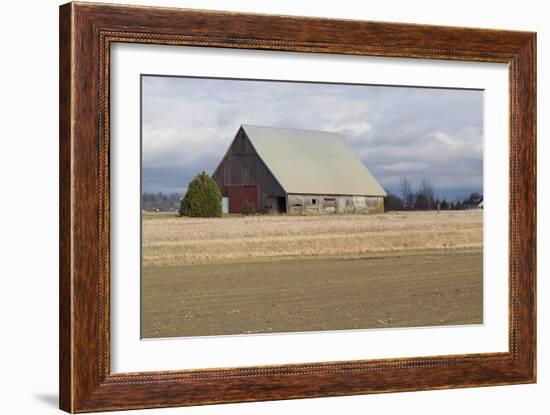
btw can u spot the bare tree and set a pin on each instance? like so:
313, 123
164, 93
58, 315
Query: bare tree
405, 189
427, 191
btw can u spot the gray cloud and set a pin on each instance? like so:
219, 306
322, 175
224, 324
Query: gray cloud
437, 134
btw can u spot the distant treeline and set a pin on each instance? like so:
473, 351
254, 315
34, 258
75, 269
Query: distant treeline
424, 199
160, 202
407, 199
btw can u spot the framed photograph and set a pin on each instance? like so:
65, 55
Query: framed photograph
259, 207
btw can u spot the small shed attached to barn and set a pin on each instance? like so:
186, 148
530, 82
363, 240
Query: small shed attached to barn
296, 171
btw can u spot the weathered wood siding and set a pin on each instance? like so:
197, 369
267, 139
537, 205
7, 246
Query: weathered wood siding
301, 204
242, 166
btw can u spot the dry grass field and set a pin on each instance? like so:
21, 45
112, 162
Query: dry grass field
172, 240
266, 274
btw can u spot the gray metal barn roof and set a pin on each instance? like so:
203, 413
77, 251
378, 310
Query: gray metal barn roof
314, 162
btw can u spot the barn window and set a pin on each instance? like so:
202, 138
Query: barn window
313, 201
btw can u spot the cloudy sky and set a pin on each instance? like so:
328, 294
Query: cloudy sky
437, 134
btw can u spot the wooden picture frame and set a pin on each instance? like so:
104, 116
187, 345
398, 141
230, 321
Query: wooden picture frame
86, 33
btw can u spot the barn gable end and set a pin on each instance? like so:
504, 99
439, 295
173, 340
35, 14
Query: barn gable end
242, 167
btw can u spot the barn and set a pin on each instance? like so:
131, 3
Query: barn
296, 171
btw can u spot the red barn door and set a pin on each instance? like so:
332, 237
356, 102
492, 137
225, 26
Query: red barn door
241, 194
